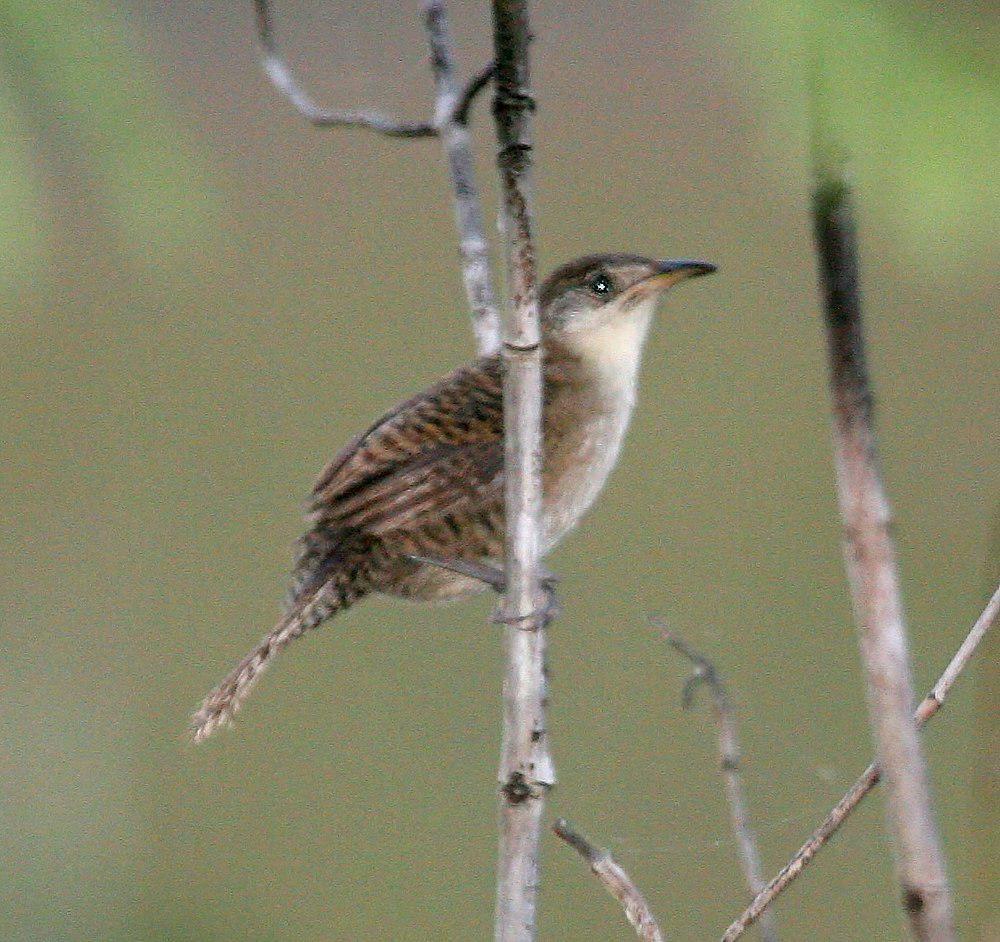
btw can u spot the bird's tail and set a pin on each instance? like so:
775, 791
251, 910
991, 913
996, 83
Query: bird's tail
340, 590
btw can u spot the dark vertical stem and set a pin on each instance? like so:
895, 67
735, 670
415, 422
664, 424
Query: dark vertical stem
870, 554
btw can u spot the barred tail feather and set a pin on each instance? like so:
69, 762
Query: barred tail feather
222, 703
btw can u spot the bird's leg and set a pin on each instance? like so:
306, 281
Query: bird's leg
481, 572
496, 579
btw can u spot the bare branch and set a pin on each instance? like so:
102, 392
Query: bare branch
870, 555
867, 781
526, 769
450, 123
615, 880
933, 701
451, 115
282, 79
729, 762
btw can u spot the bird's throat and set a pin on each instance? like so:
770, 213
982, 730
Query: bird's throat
586, 419
613, 352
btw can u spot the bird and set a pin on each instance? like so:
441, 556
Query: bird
426, 480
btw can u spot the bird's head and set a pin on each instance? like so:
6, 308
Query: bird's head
600, 290
600, 306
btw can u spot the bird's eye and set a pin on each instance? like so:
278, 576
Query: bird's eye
600, 285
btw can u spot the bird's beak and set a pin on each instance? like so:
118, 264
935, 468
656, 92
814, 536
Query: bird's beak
672, 270
668, 273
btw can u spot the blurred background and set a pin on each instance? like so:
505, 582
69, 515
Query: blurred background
203, 298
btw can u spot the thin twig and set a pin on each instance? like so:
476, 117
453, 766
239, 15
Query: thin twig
451, 116
729, 762
475, 85
615, 880
282, 78
867, 781
870, 554
450, 123
526, 769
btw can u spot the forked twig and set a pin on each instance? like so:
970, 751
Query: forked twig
730, 756
368, 118
867, 781
615, 880
450, 123
282, 79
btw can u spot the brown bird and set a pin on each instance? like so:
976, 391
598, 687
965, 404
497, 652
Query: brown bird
426, 479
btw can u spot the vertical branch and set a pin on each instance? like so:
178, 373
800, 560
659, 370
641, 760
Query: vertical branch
451, 115
526, 771
871, 557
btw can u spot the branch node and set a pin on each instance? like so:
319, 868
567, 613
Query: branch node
281, 76
516, 155
518, 789
512, 98
913, 900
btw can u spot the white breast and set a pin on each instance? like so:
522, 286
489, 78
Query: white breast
598, 454
615, 352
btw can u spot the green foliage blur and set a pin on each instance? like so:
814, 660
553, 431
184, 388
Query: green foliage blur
72, 69
914, 94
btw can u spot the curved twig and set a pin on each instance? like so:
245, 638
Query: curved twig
615, 880
474, 86
867, 781
282, 79
730, 757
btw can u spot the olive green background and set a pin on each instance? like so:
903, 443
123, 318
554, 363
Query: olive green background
202, 298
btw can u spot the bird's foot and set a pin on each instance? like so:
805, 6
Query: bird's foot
546, 608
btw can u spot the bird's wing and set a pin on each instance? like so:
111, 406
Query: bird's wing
436, 455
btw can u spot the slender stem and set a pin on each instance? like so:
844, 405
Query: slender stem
615, 880
867, 780
451, 118
730, 757
526, 771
